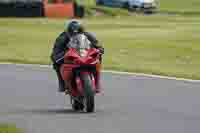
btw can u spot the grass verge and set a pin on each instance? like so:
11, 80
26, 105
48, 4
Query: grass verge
180, 6
5, 128
155, 44
105, 11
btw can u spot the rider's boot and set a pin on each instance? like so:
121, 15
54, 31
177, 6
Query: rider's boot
61, 82
98, 89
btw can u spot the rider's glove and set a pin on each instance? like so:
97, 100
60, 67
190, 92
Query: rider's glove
101, 50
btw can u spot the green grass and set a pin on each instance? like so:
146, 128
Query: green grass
106, 11
166, 45
4, 128
180, 6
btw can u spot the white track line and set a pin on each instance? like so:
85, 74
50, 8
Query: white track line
110, 71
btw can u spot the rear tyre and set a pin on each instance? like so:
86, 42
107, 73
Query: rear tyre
89, 101
89, 104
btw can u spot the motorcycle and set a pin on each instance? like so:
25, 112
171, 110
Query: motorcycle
81, 72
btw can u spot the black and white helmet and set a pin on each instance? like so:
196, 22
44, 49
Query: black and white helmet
73, 27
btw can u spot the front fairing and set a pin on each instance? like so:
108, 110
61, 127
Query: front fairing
89, 57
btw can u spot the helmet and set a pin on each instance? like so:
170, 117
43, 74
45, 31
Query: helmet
73, 27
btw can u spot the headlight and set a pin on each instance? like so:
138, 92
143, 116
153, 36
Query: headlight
83, 53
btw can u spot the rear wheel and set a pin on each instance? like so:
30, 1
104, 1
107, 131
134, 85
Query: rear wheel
89, 101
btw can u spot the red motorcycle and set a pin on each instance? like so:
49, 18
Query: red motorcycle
81, 70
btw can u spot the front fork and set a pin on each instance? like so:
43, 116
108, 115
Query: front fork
79, 82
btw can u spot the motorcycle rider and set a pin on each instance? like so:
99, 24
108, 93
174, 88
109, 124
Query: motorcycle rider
61, 46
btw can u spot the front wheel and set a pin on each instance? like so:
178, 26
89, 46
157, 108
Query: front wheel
89, 101
77, 105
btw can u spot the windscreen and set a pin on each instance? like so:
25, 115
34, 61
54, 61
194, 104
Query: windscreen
81, 43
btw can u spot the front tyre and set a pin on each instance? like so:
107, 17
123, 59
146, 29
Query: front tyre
89, 101
77, 105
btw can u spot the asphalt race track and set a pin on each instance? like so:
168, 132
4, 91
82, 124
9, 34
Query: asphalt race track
129, 104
